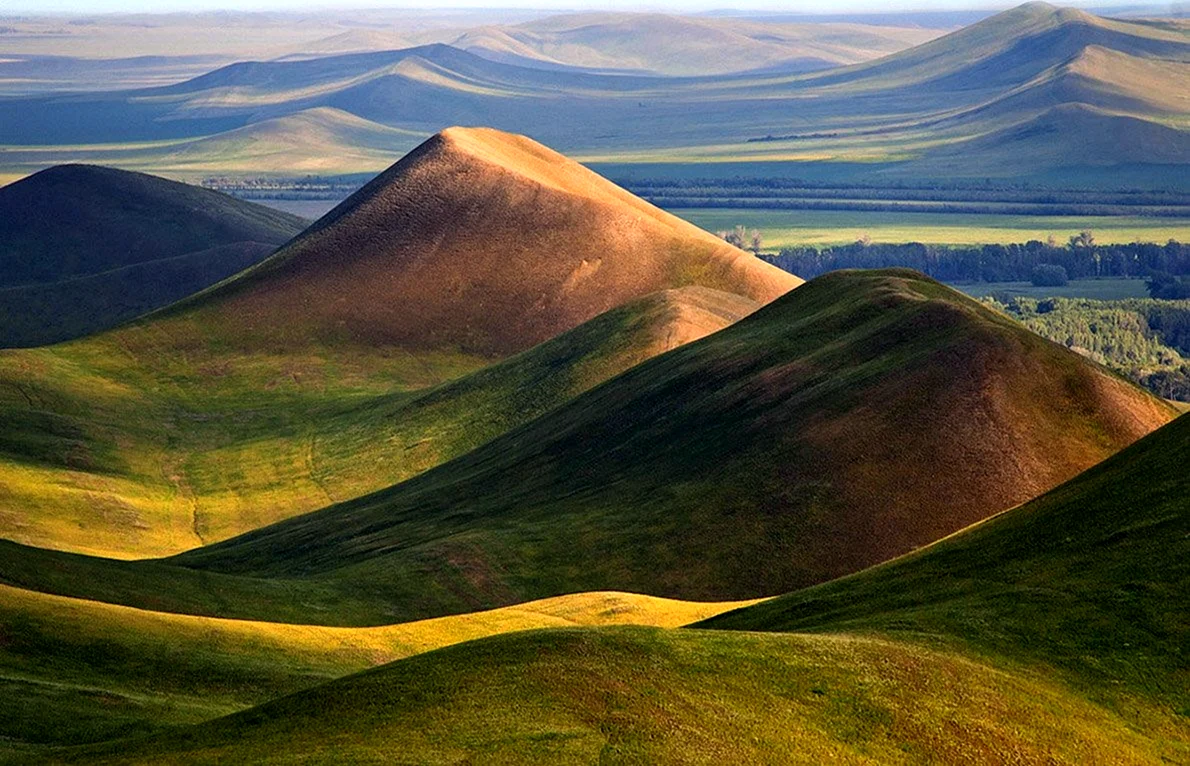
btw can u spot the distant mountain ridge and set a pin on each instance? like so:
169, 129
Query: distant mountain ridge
889, 117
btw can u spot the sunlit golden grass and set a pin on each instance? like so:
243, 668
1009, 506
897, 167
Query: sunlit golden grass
148, 441
88, 670
637, 695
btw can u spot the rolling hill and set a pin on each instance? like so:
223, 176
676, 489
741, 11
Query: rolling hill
321, 375
84, 248
129, 460
477, 240
663, 44
1013, 47
1052, 633
881, 120
317, 141
77, 671
621, 695
799, 437
895, 118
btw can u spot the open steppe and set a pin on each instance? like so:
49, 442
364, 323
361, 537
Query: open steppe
501, 461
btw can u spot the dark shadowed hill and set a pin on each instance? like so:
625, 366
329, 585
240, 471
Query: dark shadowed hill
83, 248
477, 240
862, 416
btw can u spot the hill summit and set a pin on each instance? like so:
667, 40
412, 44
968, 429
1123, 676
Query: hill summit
482, 241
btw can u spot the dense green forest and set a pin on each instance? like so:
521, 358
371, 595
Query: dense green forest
1147, 340
1081, 258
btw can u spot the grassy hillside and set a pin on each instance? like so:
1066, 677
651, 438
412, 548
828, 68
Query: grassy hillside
79, 671
674, 509
631, 695
50, 312
1086, 582
1052, 633
296, 384
773, 437
760, 442
84, 248
133, 444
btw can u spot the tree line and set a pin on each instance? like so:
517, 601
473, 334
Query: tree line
1081, 258
1146, 340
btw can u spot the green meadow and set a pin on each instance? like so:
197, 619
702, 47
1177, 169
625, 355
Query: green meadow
788, 228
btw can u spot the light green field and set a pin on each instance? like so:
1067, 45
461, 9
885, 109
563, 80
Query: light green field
788, 228
1094, 289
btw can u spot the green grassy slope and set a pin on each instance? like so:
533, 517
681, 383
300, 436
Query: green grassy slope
1087, 582
1052, 633
84, 248
857, 418
800, 436
137, 443
636, 695
77, 671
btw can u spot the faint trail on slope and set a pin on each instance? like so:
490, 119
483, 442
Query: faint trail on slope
172, 471
310, 469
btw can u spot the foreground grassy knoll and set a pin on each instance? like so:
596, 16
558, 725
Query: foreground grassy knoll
132, 444
78, 671
1086, 583
84, 248
861, 416
1052, 633
632, 695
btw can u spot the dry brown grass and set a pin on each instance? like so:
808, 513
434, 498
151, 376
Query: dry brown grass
483, 241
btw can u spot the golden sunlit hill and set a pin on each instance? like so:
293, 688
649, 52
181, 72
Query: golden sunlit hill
479, 241
90, 671
339, 366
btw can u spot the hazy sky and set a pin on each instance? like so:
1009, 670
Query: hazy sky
807, 6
